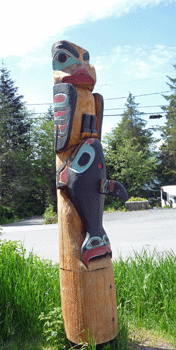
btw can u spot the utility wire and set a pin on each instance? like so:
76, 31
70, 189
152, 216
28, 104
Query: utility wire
110, 109
117, 115
105, 99
114, 109
153, 93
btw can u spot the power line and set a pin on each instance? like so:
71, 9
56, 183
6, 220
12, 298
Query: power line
106, 109
114, 109
105, 99
153, 93
120, 115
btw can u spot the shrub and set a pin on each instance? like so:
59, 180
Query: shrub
136, 199
6, 215
53, 328
50, 216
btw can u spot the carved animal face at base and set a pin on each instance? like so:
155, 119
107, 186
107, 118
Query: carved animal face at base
71, 65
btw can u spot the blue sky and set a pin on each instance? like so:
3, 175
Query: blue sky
131, 44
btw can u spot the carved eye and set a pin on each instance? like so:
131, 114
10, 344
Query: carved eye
84, 159
106, 239
94, 242
61, 57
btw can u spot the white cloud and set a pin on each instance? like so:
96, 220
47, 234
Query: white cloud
29, 61
26, 25
143, 62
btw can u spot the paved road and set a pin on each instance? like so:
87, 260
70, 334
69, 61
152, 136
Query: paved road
128, 232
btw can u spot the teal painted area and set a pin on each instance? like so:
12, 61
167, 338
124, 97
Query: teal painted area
61, 117
70, 60
104, 239
58, 105
88, 149
92, 239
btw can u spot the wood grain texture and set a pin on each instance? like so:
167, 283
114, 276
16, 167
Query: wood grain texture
87, 293
85, 104
89, 304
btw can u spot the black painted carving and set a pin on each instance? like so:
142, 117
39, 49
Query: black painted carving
93, 124
99, 105
113, 188
84, 175
85, 123
64, 45
65, 98
89, 123
86, 56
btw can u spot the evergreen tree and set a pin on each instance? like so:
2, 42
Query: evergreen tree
167, 154
14, 143
128, 153
44, 164
27, 155
132, 126
14, 121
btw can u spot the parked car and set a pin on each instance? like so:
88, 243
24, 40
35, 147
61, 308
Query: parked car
168, 196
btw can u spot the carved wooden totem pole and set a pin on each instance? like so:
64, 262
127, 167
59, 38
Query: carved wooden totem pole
86, 276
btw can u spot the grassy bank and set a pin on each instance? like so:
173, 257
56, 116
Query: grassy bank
30, 305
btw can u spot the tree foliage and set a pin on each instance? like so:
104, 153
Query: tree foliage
14, 142
27, 160
43, 159
167, 155
27, 155
128, 152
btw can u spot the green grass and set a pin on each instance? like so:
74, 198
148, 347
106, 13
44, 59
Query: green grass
30, 304
28, 286
146, 290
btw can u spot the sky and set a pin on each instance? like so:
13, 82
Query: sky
131, 44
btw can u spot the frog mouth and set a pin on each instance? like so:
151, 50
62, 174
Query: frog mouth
80, 76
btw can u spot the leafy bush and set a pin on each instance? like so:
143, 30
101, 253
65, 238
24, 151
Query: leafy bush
154, 202
113, 204
136, 199
6, 215
53, 328
50, 216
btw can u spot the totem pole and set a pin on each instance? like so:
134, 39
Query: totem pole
86, 276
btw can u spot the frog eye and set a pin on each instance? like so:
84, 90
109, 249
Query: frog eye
62, 57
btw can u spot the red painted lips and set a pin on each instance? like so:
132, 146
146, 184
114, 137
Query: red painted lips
94, 252
80, 76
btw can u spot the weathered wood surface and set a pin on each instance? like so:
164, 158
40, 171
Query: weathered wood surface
87, 293
89, 304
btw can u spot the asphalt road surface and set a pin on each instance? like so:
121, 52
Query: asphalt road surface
128, 232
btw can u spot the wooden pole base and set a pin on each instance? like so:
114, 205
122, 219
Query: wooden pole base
87, 293
89, 303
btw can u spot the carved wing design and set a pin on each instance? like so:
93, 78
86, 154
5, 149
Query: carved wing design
65, 98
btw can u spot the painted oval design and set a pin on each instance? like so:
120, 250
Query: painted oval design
60, 100
78, 166
94, 242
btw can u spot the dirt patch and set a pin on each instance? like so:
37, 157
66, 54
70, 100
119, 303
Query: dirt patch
142, 339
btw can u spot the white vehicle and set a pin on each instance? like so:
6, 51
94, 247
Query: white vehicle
168, 196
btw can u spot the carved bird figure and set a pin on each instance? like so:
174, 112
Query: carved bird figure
78, 115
